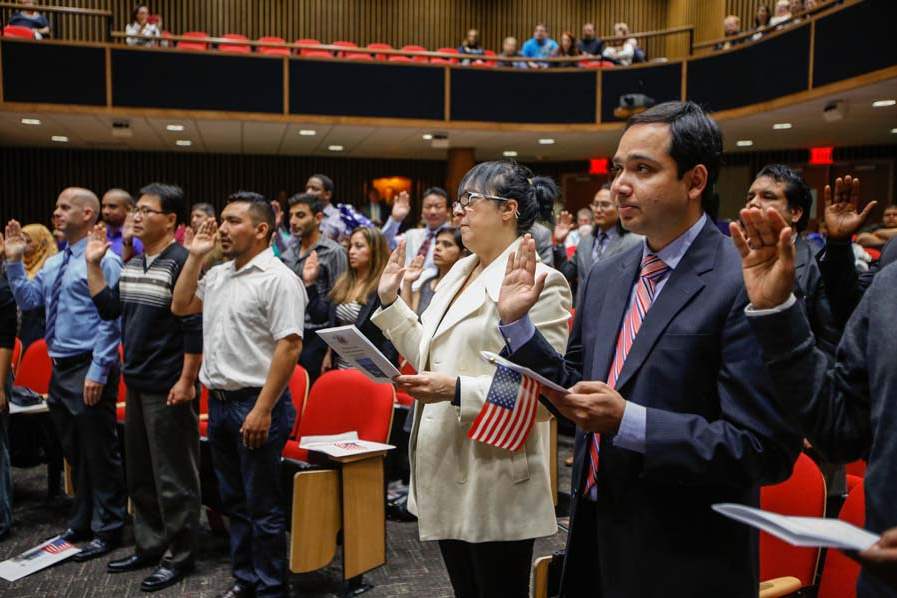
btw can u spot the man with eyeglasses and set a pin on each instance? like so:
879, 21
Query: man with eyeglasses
419, 241
162, 354
608, 238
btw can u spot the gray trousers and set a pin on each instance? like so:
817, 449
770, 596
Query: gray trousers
162, 460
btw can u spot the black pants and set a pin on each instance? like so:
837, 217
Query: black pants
312, 356
90, 443
488, 569
162, 458
582, 571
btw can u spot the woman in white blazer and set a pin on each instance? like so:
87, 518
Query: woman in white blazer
485, 505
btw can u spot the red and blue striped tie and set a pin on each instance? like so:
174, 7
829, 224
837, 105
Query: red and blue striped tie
653, 270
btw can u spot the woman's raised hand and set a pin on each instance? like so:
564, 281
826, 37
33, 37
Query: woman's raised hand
391, 279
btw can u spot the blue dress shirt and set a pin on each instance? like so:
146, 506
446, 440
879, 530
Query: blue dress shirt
631, 434
116, 240
79, 328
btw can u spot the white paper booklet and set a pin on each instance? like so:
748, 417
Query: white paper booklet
499, 360
355, 348
801, 531
37, 558
342, 445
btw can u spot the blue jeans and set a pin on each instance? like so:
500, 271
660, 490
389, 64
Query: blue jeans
249, 481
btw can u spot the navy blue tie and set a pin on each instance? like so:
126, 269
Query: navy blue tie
53, 303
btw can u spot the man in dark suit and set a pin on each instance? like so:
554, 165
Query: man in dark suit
685, 418
849, 410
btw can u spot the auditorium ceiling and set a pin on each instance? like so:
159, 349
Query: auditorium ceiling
862, 124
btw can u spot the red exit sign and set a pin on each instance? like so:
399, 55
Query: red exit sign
821, 156
598, 166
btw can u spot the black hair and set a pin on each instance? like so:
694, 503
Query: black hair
605, 186
757, 20
455, 232
206, 208
695, 139
437, 191
797, 192
535, 195
326, 181
171, 197
259, 208
136, 10
312, 201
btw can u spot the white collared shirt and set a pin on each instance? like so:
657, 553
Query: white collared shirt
245, 312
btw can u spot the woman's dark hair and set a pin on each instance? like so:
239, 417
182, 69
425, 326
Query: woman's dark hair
136, 10
259, 208
573, 51
797, 192
171, 197
696, 139
535, 195
455, 232
757, 24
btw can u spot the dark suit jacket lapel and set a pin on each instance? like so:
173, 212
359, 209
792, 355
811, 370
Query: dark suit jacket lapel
585, 253
683, 284
618, 286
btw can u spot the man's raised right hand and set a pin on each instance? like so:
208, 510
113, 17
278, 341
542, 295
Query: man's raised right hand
14, 243
204, 239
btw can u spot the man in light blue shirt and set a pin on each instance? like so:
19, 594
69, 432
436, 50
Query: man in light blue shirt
539, 46
84, 380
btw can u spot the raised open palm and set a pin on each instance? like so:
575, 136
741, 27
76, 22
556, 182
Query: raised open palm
414, 269
204, 239
391, 279
401, 207
311, 269
764, 241
563, 226
520, 288
14, 242
842, 216
97, 244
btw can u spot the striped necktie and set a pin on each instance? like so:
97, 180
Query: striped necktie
653, 270
425, 246
53, 302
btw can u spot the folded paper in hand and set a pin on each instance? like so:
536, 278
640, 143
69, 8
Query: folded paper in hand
342, 445
801, 531
354, 347
497, 359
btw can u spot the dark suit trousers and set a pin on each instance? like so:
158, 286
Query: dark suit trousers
90, 443
312, 356
162, 458
488, 569
582, 571
249, 481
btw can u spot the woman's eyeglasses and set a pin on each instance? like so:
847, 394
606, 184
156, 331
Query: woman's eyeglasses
469, 197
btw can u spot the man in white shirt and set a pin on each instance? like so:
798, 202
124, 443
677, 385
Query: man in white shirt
420, 241
253, 309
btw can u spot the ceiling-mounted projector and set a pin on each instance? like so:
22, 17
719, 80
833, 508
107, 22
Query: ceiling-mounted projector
834, 111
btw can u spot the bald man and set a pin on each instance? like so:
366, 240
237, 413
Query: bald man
117, 204
84, 381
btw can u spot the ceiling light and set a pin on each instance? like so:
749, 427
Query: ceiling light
780, 126
60, 138
883, 103
744, 143
546, 141
30, 121
427, 136
894, 130
183, 142
307, 132
509, 154
335, 148
174, 127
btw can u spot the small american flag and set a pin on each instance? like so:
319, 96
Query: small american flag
509, 412
56, 546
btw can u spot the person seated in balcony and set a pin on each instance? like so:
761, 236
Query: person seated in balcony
590, 43
732, 29
540, 45
877, 235
140, 25
471, 46
31, 19
566, 49
509, 50
761, 21
623, 52
782, 13
796, 8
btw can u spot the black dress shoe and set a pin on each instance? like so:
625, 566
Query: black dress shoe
239, 590
72, 536
94, 548
130, 563
165, 575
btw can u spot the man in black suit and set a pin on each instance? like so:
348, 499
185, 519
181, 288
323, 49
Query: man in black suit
685, 418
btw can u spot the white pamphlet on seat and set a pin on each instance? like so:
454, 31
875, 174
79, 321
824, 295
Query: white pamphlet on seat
342, 445
801, 531
497, 359
355, 348
34, 559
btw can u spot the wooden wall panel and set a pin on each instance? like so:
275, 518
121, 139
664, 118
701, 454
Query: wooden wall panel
705, 15
431, 23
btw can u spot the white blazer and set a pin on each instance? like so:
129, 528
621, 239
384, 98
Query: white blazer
462, 489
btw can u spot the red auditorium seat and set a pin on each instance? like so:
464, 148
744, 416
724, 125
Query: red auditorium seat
298, 393
380, 46
436, 60
18, 31
273, 51
413, 48
802, 494
344, 401
121, 401
486, 63
35, 368
236, 48
857, 468
839, 575
344, 44
311, 53
198, 46
16, 354
203, 411
597, 64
